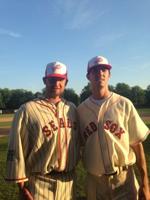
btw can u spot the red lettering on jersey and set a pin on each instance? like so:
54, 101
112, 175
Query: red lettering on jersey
107, 125
93, 126
69, 123
61, 123
118, 134
46, 131
89, 130
53, 126
113, 128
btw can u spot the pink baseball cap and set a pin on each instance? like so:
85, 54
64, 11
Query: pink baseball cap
98, 61
56, 69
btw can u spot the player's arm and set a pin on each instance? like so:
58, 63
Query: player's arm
144, 192
24, 192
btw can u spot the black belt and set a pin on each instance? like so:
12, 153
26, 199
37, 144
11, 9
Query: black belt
63, 175
111, 174
60, 173
122, 168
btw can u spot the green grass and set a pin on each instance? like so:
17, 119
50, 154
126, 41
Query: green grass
144, 111
7, 191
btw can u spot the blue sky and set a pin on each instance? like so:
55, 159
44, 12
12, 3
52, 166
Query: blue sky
35, 32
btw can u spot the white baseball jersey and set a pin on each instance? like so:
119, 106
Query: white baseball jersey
43, 138
107, 131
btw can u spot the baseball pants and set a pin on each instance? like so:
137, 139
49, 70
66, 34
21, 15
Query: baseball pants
122, 186
52, 187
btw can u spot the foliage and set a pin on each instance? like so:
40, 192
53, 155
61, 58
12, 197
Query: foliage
85, 93
123, 89
12, 99
147, 95
137, 96
70, 95
7, 191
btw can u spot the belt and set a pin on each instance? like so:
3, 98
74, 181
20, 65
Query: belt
63, 175
120, 169
60, 173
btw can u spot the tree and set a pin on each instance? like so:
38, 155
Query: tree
18, 97
147, 95
1, 101
123, 89
138, 96
5, 95
70, 95
85, 93
112, 88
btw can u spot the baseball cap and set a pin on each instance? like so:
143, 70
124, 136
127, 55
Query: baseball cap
98, 61
56, 69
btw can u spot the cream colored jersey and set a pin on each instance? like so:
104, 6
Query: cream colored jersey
43, 138
108, 131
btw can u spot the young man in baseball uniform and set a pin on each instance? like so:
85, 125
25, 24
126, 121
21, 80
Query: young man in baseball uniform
43, 144
111, 132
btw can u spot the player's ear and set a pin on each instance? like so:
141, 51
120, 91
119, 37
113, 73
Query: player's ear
44, 80
87, 76
66, 82
109, 74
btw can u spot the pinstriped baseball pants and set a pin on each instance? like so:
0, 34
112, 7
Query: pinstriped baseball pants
46, 187
122, 186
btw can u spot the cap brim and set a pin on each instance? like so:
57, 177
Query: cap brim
57, 76
107, 66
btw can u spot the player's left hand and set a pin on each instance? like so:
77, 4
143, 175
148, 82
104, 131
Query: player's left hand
144, 193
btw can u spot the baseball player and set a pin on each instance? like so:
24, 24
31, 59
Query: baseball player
43, 144
111, 132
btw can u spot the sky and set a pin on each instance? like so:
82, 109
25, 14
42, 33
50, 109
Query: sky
36, 32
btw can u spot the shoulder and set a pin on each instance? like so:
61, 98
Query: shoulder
69, 104
27, 106
121, 99
83, 104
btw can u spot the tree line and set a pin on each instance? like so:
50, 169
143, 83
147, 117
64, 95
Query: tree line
12, 99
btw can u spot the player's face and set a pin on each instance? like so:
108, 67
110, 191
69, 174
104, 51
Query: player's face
99, 76
55, 86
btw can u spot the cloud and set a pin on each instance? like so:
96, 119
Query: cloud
77, 14
9, 33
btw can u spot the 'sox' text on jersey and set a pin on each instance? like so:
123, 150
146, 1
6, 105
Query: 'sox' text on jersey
114, 128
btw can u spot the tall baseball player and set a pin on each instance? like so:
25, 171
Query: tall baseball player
43, 144
111, 132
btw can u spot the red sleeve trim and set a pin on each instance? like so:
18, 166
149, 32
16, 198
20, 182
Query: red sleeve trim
16, 180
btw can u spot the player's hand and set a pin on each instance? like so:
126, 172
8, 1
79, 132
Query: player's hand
144, 193
25, 193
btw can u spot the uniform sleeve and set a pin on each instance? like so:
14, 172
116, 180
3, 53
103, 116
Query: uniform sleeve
138, 131
15, 163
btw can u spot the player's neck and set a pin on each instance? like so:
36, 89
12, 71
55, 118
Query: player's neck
101, 94
53, 100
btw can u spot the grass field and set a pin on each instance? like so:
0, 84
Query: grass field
10, 191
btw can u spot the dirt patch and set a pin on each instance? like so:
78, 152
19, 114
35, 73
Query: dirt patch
6, 119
